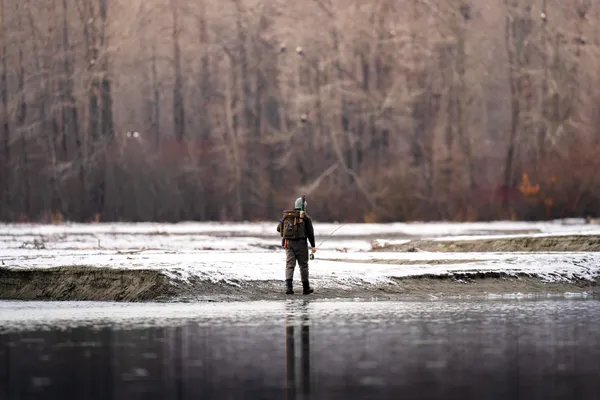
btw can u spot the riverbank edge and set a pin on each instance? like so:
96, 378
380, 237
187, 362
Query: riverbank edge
84, 283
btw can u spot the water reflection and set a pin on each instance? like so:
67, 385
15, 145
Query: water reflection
291, 381
320, 351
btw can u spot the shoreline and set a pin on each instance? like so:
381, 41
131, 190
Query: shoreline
181, 268
82, 283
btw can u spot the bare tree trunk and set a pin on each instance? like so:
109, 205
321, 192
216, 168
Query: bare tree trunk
232, 128
178, 103
156, 101
205, 164
58, 87
543, 130
205, 86
515, 92
70, 120
108, 128
92, 50
100, 116
20, 120
245, 126
462, 116
5, 174
91, 46
517, 31
46, 126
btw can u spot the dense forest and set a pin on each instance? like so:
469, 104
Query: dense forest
377, 110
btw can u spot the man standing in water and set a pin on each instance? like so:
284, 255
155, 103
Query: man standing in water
295, 228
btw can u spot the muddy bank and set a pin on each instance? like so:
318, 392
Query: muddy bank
84, 283
546, 243
489, 283
412, 288
105, 284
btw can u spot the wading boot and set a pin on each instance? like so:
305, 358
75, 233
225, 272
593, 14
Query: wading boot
306, 289
289, 287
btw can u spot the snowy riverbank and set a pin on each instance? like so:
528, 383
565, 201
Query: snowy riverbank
244, 261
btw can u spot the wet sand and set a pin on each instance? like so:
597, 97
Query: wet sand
106, 284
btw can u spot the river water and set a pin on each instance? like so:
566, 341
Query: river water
492, 349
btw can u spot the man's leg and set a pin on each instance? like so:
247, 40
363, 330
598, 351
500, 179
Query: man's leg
301, 249
290, 264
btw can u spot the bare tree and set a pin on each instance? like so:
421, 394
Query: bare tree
5, 182
178, 104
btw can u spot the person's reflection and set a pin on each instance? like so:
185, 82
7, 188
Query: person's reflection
290, 359
290, 350
5, 378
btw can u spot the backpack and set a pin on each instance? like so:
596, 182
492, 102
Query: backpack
292, 225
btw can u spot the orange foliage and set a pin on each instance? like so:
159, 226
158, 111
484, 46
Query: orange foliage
526, 188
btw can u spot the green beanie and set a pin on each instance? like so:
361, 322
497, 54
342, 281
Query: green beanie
298, 204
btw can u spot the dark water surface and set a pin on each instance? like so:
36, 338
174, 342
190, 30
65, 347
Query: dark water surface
494, 349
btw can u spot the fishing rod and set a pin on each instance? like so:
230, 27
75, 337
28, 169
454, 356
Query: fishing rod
312, 256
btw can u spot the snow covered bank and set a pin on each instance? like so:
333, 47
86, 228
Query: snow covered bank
111, 284
159, 274
150, 261
329, 268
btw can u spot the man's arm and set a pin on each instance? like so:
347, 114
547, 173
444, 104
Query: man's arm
310, 232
